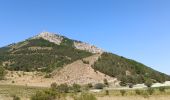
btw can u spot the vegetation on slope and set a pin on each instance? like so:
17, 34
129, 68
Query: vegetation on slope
40, 54
126, 70
2, 73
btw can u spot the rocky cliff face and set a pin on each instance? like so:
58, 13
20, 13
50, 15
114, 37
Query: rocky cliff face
87, 47
57, 39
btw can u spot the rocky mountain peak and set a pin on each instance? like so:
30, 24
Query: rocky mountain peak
57, 39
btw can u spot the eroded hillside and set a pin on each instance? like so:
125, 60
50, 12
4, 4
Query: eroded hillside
78, 72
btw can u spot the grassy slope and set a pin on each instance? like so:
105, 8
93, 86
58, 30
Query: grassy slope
118, 66
23, 58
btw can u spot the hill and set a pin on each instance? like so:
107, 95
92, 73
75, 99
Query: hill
76, 72
127, 70
52, 53
44, 52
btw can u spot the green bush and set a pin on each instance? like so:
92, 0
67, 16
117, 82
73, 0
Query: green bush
86, 96
106, 82
89, 85
145, 94
63, 88
99, 86
123, 92
54, 86
107, 92
13, 81
85, 61
150, 91
16, 97
138, 92
162, 89
48, 76
2, 73
76, 87
148, 83
123, 83
130, 85
44, 95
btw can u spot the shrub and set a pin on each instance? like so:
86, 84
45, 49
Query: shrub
48, 76
145, 94
2, 73
150, 91
54, 86
138, 92
13, 81
123, 92
23, 73
162, 89
148, 83
44, 95
107, 92
86, 96
85, 61
63, 88
123, 83
105, 82
131, 85
16, 97
89, 85
19, 75
99, 86
76, 88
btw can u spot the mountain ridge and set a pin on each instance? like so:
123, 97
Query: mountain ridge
57, 39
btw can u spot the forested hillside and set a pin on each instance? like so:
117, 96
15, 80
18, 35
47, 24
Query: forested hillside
40, 54
127, 70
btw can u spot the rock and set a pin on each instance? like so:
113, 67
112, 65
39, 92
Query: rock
87, 47
57, 39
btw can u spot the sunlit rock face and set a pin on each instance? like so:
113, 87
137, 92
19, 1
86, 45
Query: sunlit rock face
57, 39
87, 47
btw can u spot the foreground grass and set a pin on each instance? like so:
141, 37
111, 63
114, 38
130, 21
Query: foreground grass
132, 92
22, 91
161, 97
27, 92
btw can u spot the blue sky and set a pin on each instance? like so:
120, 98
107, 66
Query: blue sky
137, 29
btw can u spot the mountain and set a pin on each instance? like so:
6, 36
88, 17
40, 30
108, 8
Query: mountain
44, 52
48, 52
